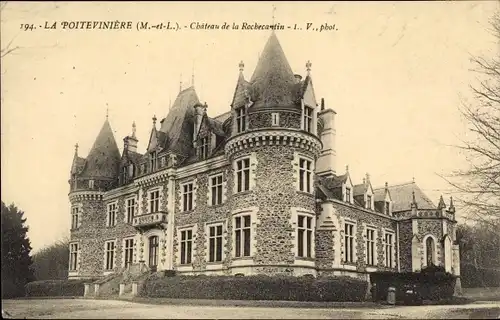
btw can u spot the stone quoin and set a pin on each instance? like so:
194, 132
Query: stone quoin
254, 190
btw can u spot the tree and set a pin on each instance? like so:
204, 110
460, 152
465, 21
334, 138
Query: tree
16, 248
478, 187
52, 262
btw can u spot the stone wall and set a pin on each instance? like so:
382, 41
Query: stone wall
405, 238
264, 120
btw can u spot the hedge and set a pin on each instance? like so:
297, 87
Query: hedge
256, 288
55, 288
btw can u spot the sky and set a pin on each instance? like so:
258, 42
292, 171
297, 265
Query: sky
394, 72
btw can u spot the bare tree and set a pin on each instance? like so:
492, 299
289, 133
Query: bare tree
479, 186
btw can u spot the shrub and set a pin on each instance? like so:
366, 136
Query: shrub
55, 288
257, 287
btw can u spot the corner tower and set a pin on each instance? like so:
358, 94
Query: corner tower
273, 148
90, 178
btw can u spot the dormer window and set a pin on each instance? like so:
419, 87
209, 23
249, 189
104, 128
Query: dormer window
241, 119
143, 168
308, 119
153, 161
203, 148
348, 194
387, 208
368, 201
131, 170
91, 184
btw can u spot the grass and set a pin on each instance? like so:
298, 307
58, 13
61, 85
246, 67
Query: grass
489, 294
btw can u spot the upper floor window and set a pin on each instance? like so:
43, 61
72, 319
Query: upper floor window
305, 175
75, 215
304, 236
370, 247
348, 194
242, 236
131, 170
243, 175
130, 210
203, 148
73, 256
187, 197
241, 119
186, 246
387, 208
216, 189
215, 239
388, 249
112, 212
154, 201
368, 201
124, 174
91, 184
143, 168
152, 161
308, 119
349, 242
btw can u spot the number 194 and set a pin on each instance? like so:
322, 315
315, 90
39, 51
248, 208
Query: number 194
27, 27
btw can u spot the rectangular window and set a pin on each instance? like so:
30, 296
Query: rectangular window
349, 242
110, 255
204, 148
154, 201
242, 236
215, 243
368, 201
305, 175
152, 161
243, 175
308, 119
91, 184
74, 217
216, 189
112, 208
129, 251
73, 256
304, 236
186, 246
370, 247
275, 119
387, 208
388, 250
241, 119
130, 209
348, 195
187, 197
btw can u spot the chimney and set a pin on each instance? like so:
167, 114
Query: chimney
325, 165
130, 142
298, 78
322, 104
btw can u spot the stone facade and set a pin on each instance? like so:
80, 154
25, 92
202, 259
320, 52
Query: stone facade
294, 216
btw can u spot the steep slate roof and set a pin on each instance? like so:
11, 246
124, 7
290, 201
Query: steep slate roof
359, 189
178, 125
379, 194
402, 197
239, 97
135, 157
335, 181
223, 117
78, 165
273, 80
103, 160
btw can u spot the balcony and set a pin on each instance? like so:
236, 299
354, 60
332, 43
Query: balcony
150, 220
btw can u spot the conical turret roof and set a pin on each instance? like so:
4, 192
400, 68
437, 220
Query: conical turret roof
103, 160
273, 81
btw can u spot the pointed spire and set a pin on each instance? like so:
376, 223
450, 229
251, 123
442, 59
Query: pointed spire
367, 178
274, 10
441, 204
308, 67
241, 65
451, 208
133, 129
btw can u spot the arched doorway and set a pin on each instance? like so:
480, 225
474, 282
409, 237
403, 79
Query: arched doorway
153, 252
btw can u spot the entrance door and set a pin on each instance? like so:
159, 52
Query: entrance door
153, 253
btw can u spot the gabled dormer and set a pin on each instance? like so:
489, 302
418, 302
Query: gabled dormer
383, 200
347, 187
363, 194
210, 135
154, 147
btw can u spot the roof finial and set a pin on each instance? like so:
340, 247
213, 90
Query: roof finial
441, 204
107, 111
76, 148
346, 168
413, 180
274, 10
241, 66
308, 66
386, 185
180, 83
451, 208
154, 121
133, 129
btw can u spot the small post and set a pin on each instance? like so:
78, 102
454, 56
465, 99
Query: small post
96, 289
122, 289
134, 289
86, 291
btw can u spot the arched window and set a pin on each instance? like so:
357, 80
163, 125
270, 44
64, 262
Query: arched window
429, 244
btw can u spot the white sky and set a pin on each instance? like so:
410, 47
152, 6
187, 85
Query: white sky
393, 72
